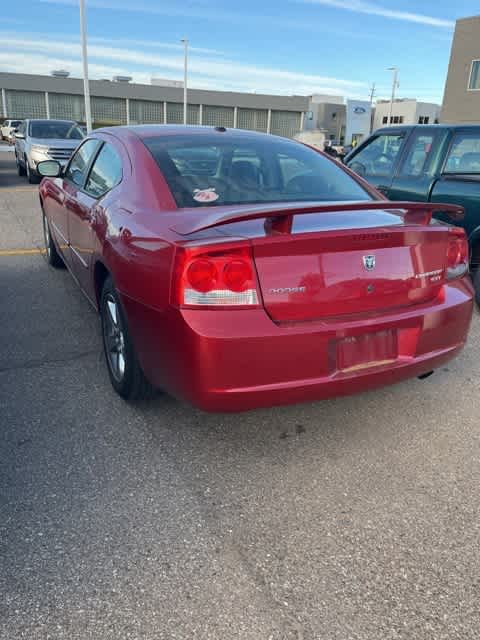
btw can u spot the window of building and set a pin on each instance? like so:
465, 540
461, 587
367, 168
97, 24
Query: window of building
385, 120
474, 81
400, 119
424, 120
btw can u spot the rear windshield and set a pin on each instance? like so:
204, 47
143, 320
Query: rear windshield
204, 170
59, 130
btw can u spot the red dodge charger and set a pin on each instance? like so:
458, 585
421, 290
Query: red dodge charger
237, 270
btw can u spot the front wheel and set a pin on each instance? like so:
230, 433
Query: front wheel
125, 373
31, 175
20, 168
53, 257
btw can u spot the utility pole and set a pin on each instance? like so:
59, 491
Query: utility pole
372, 95
86, 87
185, 69
394, 86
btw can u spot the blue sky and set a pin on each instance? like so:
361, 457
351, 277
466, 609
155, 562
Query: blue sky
338, 47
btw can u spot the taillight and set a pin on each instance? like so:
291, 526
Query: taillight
457, 254
206, 276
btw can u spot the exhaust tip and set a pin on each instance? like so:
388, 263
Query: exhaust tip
425, 375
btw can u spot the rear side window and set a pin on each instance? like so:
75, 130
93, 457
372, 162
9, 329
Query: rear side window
378, 158
418, 156
78, 166
223, 169
464, 154
106, 172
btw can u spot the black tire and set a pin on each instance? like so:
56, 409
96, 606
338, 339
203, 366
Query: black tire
476, 284
53, 257
32, 177
128, 381
20, 167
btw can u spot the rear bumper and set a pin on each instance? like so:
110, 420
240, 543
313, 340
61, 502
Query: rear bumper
239, 359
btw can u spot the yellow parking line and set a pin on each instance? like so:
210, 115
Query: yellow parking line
20, 252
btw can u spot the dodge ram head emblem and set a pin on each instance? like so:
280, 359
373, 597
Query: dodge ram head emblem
369, 262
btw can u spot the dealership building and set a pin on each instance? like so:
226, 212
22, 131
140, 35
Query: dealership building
405, 111
119, 101
461, 100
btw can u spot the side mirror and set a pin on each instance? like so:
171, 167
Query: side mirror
49, 168
18, 135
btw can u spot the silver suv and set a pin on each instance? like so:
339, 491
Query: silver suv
37, 140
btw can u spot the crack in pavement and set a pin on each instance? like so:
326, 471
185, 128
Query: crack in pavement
41, 362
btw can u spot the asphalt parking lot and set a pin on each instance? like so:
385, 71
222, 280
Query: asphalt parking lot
352, 519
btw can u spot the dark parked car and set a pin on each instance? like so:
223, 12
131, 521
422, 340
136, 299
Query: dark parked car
238, 270
430, 163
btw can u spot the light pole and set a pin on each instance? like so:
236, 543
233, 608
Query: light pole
86, 87
394, 86
185, 69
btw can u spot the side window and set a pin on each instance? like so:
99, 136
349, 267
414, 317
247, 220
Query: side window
418, 156
464, 154
77, 168
106, 172
379, 156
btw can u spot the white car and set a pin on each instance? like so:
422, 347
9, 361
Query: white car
7, 129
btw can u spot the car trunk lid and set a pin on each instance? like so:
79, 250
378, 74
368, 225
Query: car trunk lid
323, 260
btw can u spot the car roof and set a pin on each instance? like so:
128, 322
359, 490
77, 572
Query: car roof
409, 127
153, 130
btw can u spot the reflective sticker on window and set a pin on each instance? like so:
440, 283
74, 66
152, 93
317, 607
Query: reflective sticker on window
205, 195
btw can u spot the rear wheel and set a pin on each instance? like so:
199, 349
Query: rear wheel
476, 284
475, 270
53, 257
125, 373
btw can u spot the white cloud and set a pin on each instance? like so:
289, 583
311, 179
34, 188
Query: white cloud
369, 8
156, 45
203, 71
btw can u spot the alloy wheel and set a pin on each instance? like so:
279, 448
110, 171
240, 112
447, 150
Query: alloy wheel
114, 338
46, 236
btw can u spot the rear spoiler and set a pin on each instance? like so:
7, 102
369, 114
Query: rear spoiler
280, 215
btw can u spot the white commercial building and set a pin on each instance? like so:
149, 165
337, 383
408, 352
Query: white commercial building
405, 111
358, 121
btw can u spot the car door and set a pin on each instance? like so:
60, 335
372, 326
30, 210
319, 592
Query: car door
104, 174
459, 182
66, 193
418, 166
376, 161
